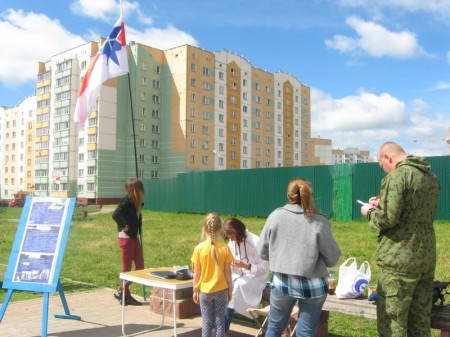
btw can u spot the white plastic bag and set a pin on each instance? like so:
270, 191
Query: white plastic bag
353, 280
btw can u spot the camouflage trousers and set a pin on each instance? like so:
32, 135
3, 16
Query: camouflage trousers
404, 304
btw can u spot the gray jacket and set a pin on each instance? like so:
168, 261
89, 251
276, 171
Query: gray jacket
297, 246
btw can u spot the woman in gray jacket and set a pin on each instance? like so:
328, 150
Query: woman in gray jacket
299, 245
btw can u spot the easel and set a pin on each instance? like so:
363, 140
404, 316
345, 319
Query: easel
66, 314
33, 265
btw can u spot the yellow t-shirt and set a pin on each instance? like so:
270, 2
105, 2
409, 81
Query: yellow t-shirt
212, 277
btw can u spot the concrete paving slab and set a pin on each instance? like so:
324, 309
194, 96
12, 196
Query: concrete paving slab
101, 316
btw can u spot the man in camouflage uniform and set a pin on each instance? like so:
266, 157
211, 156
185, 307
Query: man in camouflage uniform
406, 254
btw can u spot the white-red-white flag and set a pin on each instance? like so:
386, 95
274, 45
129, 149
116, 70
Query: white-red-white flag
110, 61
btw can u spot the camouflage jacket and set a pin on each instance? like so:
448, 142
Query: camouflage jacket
408, 202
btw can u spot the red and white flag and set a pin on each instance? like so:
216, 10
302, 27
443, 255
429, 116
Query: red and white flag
110, 61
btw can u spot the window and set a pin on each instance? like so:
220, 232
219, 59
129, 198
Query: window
155, 99
92, 138
142, 142
155, 113
206, 71
92, 154
155, 128
91, 170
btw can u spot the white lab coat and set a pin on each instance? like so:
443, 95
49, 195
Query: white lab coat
247, 284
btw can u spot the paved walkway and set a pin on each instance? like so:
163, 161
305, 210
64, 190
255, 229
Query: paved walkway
100, 317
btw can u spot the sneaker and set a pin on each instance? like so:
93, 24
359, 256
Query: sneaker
130, 300
118, 295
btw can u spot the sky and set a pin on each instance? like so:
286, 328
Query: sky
378, 70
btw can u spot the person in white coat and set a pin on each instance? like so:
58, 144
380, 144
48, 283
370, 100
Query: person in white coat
249, 270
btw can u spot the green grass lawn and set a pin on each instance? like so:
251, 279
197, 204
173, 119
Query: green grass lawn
92, 257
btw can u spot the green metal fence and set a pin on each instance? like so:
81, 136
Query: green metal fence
257, 192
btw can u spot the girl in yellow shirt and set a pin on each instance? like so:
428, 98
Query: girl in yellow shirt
212, 276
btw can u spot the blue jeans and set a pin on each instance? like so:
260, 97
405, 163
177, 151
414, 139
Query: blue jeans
281, 306
228, 317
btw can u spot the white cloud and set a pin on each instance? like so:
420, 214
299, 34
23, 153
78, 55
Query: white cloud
108, 10
439, 8
160, 38
375, 40
440, 86
27, 39
366, 120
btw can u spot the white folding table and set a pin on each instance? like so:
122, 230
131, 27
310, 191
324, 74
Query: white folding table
143, 277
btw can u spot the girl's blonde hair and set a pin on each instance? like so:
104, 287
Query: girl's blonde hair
300, 192
135, 191
211, 225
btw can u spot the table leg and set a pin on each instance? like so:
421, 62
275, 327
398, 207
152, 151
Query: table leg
145, 331
123, 307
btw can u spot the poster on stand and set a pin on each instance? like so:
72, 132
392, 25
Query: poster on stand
38, 248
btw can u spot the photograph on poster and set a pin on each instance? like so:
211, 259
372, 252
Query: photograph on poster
33, 268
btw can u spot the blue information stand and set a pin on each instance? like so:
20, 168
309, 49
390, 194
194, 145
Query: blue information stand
38, 251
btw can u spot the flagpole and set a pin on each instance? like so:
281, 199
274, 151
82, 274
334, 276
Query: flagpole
135, 160
134, 130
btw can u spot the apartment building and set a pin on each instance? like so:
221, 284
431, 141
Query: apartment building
350, 156
180, 110
16, 149
317, 152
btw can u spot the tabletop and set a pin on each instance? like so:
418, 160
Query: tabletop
143, 277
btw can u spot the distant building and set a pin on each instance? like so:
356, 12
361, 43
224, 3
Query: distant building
350, 156
317, 152
16, 149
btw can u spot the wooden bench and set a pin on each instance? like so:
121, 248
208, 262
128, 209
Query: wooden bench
440, 315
